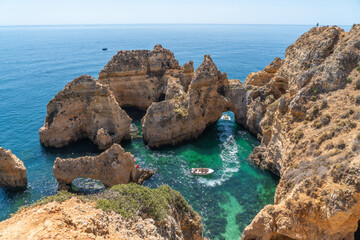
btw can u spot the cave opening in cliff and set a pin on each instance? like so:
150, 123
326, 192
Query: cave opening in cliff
357, 233
86, 185
134, 113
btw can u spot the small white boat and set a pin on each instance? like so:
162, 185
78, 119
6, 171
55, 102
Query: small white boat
201, 171
225, 117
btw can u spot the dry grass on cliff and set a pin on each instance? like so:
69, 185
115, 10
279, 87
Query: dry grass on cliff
131, 200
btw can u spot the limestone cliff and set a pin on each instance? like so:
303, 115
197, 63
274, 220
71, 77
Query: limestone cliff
137, 77
112, 167
187, 114
12, 170
311, 139
65, 216
84, 109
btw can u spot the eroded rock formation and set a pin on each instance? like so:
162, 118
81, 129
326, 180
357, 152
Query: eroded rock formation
311, 139
187, 114
12, 170
112, 167
84, 109
137, 78
76, 219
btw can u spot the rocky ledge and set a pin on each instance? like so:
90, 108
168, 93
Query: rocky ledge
137, 78
311, 139
84, 109
112, 167
123, 212
12, 170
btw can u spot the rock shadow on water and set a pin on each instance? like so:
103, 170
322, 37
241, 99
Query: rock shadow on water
86, 186
80, 148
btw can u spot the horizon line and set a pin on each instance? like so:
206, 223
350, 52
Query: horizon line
106, 24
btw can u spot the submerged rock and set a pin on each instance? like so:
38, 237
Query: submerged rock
84, 109
112, 167
12, 170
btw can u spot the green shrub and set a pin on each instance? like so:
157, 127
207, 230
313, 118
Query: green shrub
357, 84
181, 112
358, 69
349, 80
131, 200
357, 100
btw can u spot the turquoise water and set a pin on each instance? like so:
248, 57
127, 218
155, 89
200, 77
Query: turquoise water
37, 62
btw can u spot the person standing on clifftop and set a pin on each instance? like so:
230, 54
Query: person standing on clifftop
317, 25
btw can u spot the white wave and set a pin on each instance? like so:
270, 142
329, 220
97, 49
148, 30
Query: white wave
230, 164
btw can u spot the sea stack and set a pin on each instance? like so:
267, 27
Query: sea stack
112, 167
84, 109
137, 77
12, 170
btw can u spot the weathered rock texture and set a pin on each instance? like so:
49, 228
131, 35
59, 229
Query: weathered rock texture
112, 167
187, 114
75, 219
140, 77
84, 109
12, 170
311, 138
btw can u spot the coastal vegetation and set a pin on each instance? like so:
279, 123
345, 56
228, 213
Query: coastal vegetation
130, 200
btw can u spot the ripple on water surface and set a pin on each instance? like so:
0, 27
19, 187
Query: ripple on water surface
228, 199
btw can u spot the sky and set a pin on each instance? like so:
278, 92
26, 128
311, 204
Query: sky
64, 12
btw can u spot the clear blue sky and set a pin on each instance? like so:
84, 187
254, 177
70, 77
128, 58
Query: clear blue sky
50, 12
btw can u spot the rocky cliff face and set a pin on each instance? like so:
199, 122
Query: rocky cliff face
112, 167
76, 219
137, 77
187, 114
12, 170
84, 109
310, 138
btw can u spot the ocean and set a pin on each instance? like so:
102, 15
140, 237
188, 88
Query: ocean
38, 61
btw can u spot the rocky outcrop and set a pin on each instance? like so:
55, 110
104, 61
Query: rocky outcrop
261, 78
112, 167
186, 115
76, 219
138, 78
12, 170
84, 109
310, 138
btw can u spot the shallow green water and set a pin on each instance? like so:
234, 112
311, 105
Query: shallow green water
229, 198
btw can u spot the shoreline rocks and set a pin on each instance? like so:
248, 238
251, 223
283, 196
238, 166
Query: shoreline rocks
12, 170
72, 217
112, 167
310, 138
84, 109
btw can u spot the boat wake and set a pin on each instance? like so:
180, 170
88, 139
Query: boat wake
230, 164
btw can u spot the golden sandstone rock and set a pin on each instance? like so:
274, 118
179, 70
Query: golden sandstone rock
79, 111
136, 77
112, 167
76, 219
313, 141
12, 170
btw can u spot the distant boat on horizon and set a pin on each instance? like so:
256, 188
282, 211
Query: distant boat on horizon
104, 49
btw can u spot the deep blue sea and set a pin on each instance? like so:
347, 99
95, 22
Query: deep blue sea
36, 62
